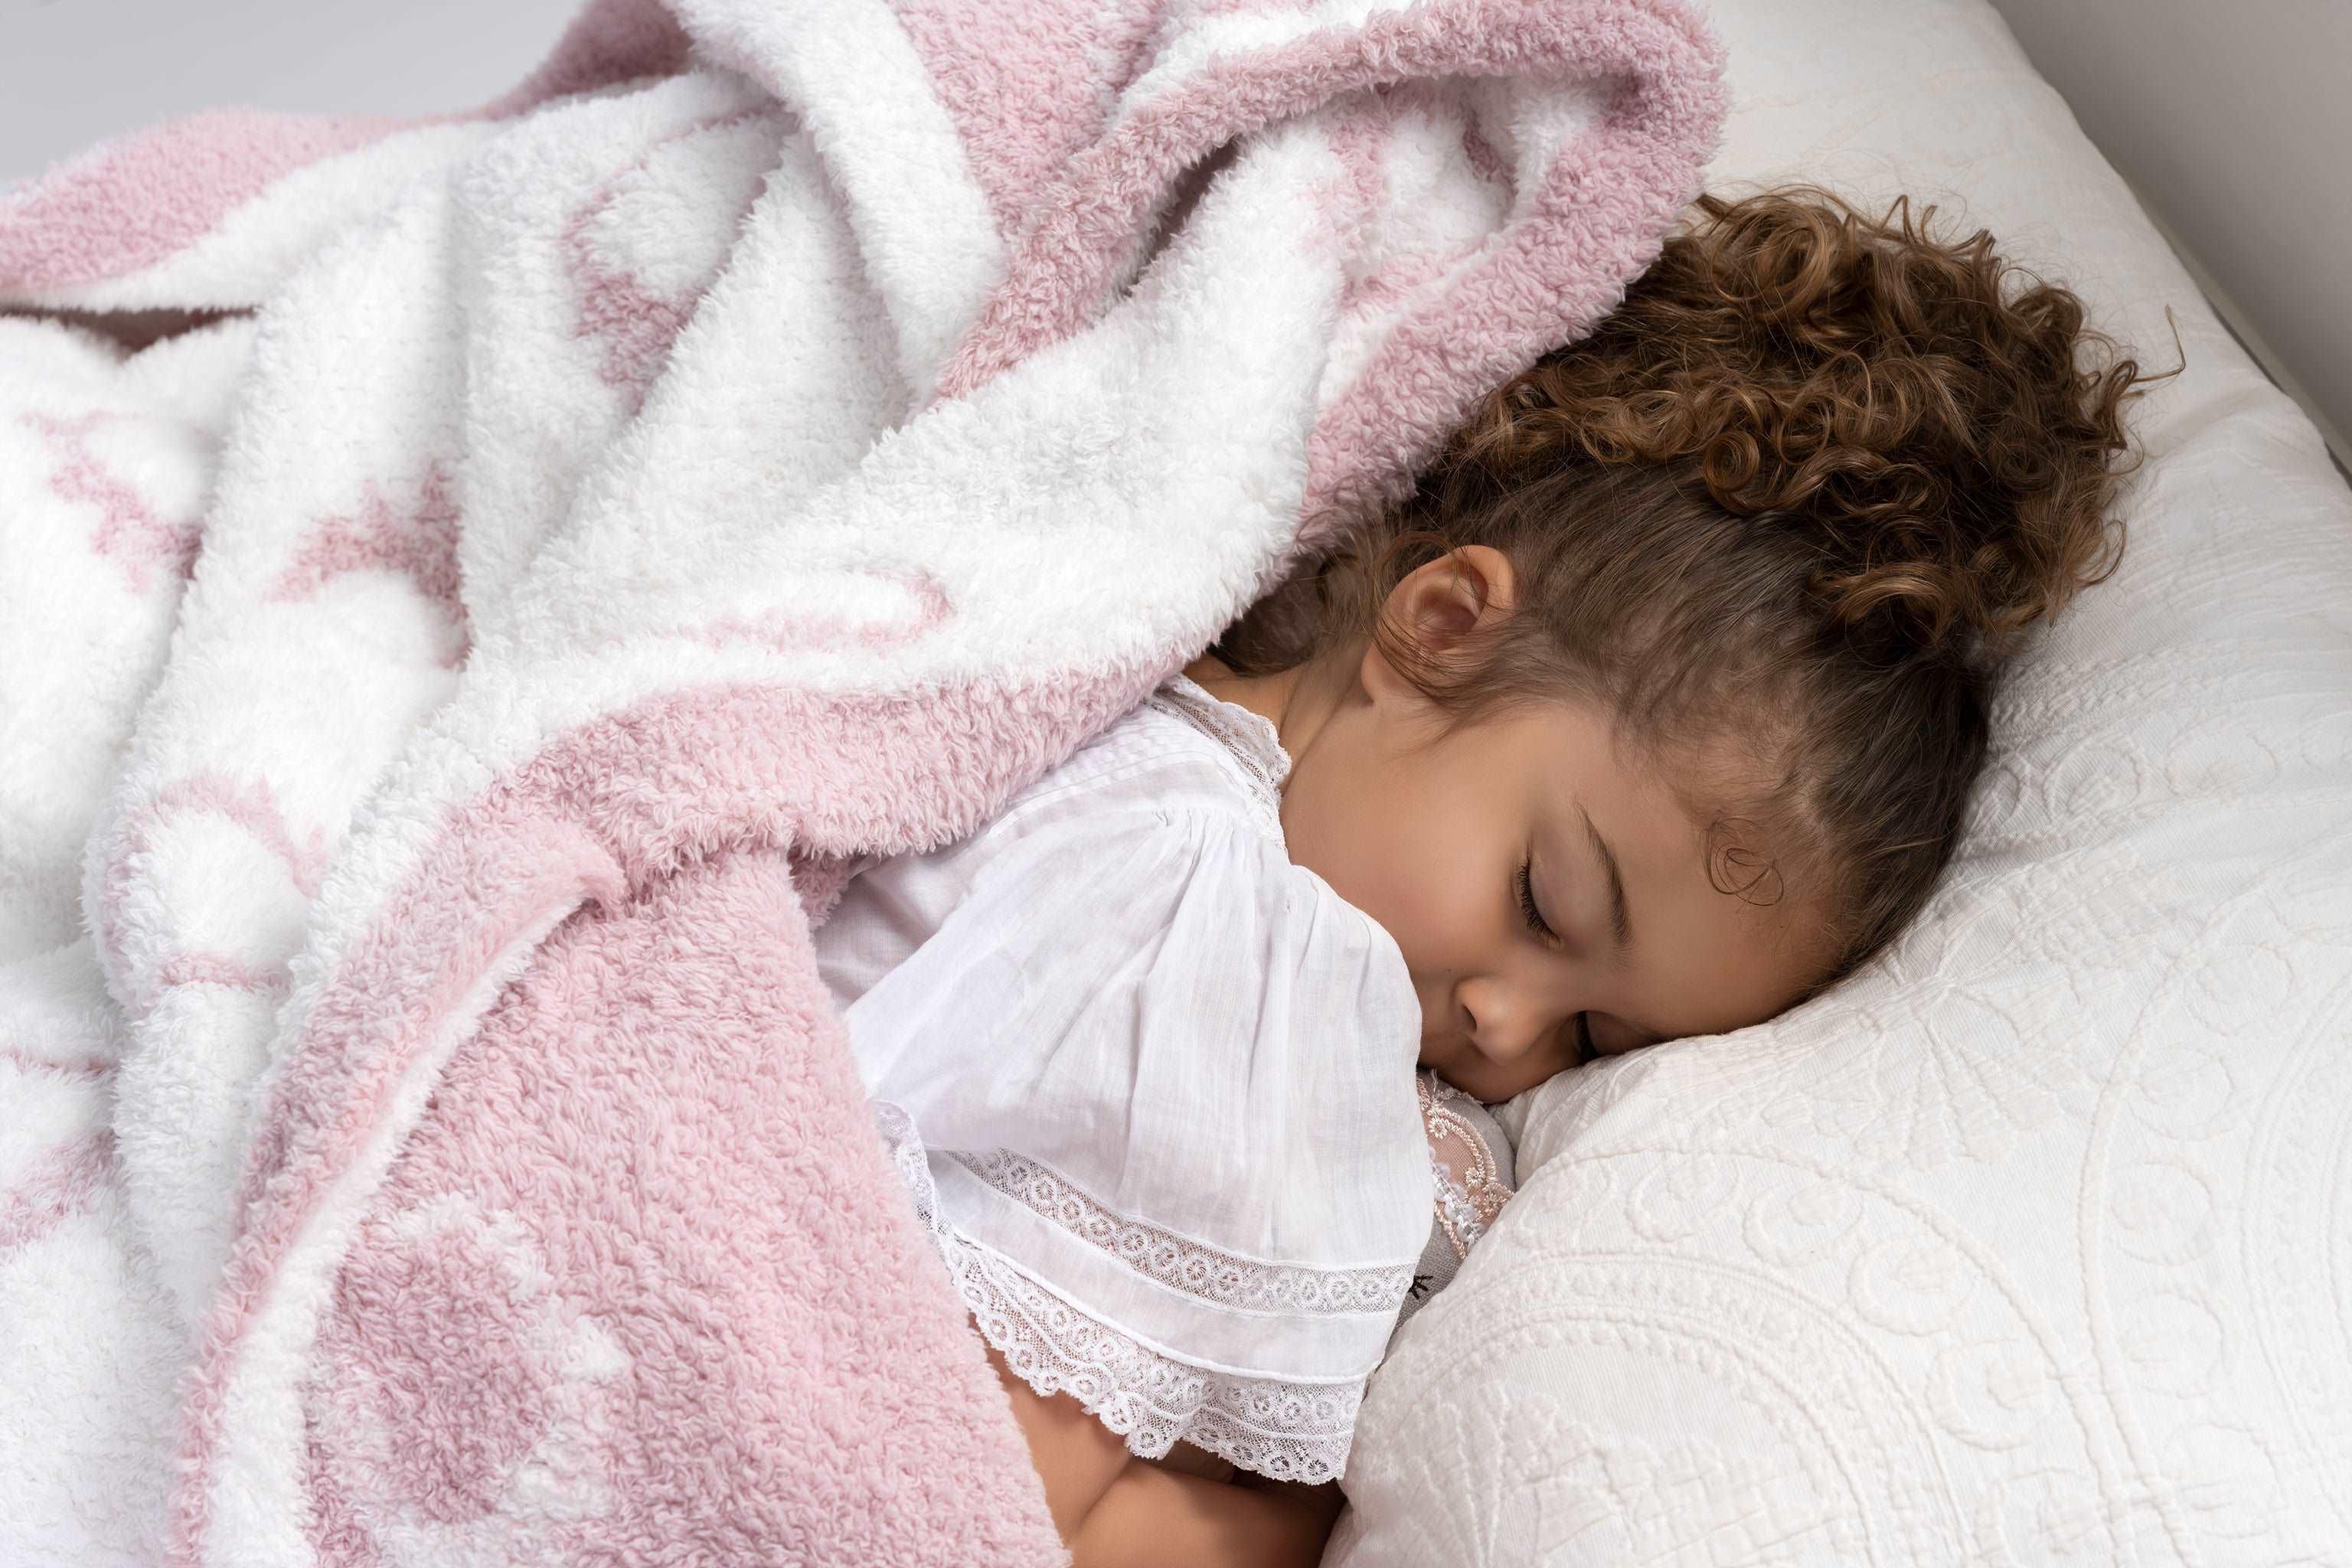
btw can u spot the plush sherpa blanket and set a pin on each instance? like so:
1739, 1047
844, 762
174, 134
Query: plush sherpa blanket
443, 685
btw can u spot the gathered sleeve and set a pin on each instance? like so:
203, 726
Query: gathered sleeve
1152, 1085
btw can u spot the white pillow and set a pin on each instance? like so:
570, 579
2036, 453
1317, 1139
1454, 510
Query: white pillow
2033, 1243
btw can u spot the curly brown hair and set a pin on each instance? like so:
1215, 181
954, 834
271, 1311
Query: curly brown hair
1806, 488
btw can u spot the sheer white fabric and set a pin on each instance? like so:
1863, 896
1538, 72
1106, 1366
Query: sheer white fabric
1152, 1086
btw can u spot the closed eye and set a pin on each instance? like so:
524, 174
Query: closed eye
1528, 900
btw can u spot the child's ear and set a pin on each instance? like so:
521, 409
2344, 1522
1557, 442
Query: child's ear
1437, 604
1441, 602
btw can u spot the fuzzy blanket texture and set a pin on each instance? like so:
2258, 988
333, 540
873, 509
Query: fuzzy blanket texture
442, 687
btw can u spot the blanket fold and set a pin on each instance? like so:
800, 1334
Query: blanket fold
773, 433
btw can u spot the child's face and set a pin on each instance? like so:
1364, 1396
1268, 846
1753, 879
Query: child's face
1431, 843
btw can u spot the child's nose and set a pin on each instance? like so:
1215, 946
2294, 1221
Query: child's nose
1506, 1027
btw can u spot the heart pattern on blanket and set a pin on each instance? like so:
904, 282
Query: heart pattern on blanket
419, 541
633, 305
789, 630
132, 532
463, 1380
250, 809
63, 1183
85, 1066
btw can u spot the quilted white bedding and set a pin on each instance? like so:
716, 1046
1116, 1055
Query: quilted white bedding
2034, 1245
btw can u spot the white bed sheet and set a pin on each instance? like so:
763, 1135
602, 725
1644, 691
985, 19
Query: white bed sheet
2034, 1243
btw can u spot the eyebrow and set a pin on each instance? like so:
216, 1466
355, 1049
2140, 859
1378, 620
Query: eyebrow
1620, 923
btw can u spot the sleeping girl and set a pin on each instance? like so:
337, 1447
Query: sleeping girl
1653, 712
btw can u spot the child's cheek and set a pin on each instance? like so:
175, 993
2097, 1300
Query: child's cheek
1419, 900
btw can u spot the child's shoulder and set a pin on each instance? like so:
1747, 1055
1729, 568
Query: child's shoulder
1161, 833
1180, 752
1165, 830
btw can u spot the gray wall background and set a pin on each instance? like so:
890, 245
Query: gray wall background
72, 71
2233, 121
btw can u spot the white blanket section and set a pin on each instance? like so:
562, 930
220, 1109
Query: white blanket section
2034, 1243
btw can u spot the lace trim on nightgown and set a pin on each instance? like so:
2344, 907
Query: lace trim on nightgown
1282, 1430
1179, 1262
1249, 735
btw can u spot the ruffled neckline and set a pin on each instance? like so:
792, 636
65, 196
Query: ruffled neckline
1247, 734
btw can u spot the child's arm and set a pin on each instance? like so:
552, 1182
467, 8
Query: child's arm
1152, 1516
1114, 1510
1075, 1456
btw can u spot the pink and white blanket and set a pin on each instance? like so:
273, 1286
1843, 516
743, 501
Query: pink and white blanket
440, 687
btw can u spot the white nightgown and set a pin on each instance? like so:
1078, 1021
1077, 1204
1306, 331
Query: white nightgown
1153, 1087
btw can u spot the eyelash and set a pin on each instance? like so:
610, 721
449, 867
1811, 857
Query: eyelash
1528, 899
1582, 1022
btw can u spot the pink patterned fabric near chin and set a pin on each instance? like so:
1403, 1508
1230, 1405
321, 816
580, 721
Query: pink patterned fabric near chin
1472, 1177
773, 436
